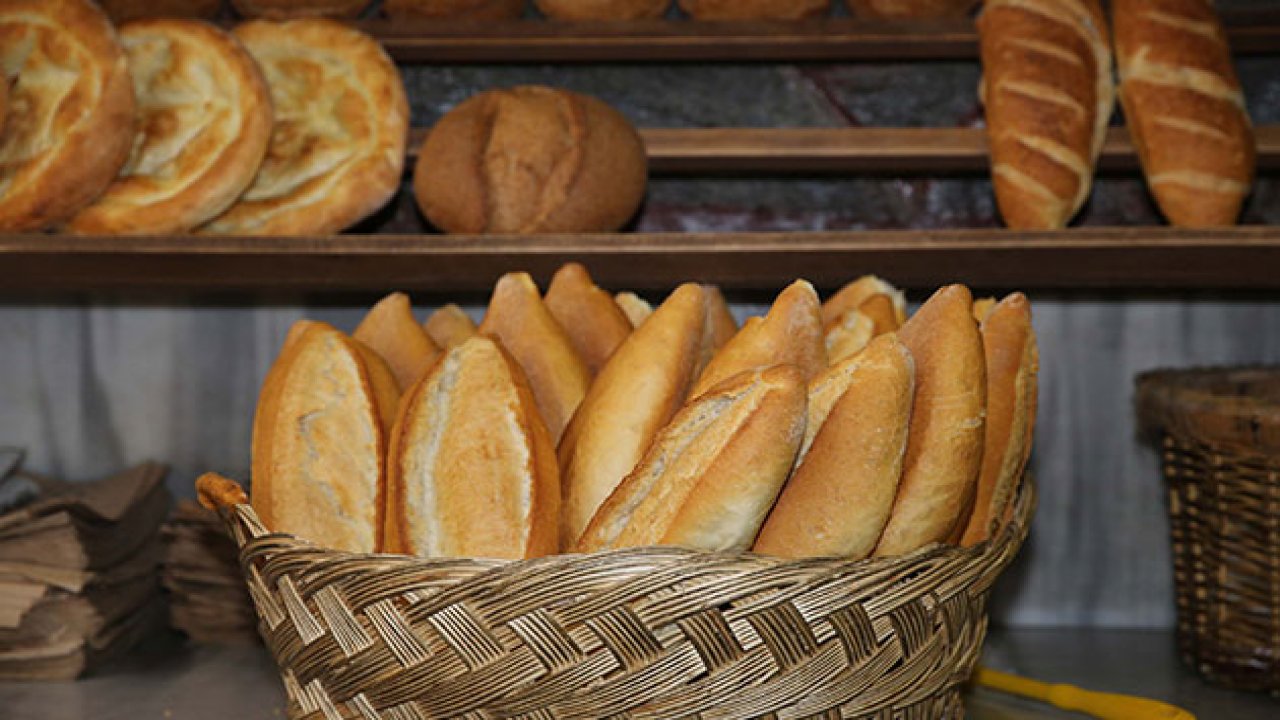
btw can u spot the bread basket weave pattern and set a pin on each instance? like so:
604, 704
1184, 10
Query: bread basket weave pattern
643, 633
1219, 430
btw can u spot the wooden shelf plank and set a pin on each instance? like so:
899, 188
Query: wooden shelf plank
831, 39
1139, 257
694, 151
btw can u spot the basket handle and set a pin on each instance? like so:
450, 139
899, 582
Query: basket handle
219, 493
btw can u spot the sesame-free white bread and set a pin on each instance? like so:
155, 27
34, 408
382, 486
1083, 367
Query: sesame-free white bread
449, 325
596, 326
838, 499
633, 397
636, 308
472, 471
712, 474
855, 293
390, 330
944, 449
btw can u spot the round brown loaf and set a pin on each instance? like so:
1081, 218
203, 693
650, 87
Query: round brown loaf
453, 9
603, 9
755, 9
70, 121
124, 10
530, 159
288, 9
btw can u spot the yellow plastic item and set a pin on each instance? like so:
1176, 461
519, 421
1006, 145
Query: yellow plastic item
1107, 706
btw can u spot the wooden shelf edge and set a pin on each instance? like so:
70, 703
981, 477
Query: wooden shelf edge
1242, 258
694, 151
829, 39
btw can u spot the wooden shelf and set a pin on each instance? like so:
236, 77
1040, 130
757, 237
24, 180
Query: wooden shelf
831, 39
1139, 257
702, 151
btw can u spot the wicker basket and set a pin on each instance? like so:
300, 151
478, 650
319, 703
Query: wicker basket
645, 633
1220, 432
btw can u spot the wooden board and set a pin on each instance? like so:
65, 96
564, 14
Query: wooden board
1231, 259
831, 39
701, 151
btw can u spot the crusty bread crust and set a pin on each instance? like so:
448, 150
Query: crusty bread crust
852, 295
596, 326
636, 308
472, 468
791, 333
70, 120
1184, 108
122, 11
1048, 94
712, 474
910, 9
944, 449
453, 9
201, 135
338, 142
838, 500
755, 9
520, 319
602, 9
319, 440
1012, 360
290, 9
633, 397
530, 159
390, 330
449, 325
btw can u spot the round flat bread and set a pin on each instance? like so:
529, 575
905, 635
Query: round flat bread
341, 123
70, 120
285, 9
204, 122
125, 10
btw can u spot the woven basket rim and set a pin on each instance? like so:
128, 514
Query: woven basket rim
1191, 403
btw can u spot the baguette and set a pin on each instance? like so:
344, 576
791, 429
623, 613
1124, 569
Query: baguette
472, 471
852, 295
449, 326
1012, 361
944, 448
883, 313
319, 440
851, 333
711, 476
719, 317
596, 326
1048, 95
982, 308
635, 395
838, 499
1184, 108
636, 308
390, 330
790, 334
518, 317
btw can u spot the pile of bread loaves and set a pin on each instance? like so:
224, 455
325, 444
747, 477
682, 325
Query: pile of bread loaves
555, 9
1048, 92
583, 421
174, 125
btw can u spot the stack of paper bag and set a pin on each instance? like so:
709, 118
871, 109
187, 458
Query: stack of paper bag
207, 596
78, 570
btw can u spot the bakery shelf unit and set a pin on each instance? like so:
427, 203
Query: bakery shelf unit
400, 255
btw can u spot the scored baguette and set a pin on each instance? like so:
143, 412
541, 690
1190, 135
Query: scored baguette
390, 330
636, 308
1012, 361
449, 325
944, 448
633, 397
596, 326
518, 317
1048, 96
838, 500
791, 334
854, 294
1184, 108
472, 471
712, 474
320, 437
